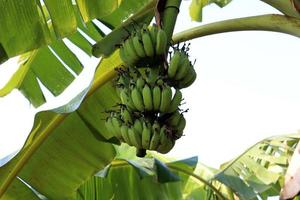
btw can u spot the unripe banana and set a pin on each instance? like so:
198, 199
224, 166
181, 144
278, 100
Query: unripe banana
140, 83
138, 126
109, 126
131, 136
146, 136
126, 99
163, 134
132, 57
183, 69
138, 46
126, 116
153, 34
147, 97
188, 80
156, 97
174, 64
166, 97
123, 55
181, 124
148, 45
174, 119
124, 133
162, 42
175, 101
155, 140
166, 146
191, 81
116, 122
135, 138
137, 99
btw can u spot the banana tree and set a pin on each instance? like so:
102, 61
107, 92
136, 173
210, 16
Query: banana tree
69, 151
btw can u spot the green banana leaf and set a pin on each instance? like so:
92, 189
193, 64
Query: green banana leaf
26, 25
56, 66
64, 150
197, 6
149, 178
258, 172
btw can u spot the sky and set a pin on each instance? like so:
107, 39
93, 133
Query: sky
246, 89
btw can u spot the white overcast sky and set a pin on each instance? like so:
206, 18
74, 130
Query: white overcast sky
247, 90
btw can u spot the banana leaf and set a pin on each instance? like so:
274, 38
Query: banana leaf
258, 172
123, 180
28, 25
64, 150
57, 65
197, 6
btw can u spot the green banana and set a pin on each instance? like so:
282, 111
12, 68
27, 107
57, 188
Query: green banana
153, 34
138, 46
130, 51
131, 136
155, 140
181, 125
140, 82
156, 96
163, 134
174, 119
147, 97
146, 136
177, 98
166, 146
183, 69
166, 97
126, 99
191, 81
137, 99
174, 64
135, 138
123, 55
161, 42
126, 116
188, 79
124, 133
116, 122
138, 126
148, 45
109, 126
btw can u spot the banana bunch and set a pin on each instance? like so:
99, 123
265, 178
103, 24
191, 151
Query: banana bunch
181, 71
144, 97
143, 47
142, 134
149, 84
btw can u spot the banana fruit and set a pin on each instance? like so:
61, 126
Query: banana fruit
144, 44
180, 70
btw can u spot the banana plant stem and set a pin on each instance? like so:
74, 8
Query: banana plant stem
270, 22
169, 16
